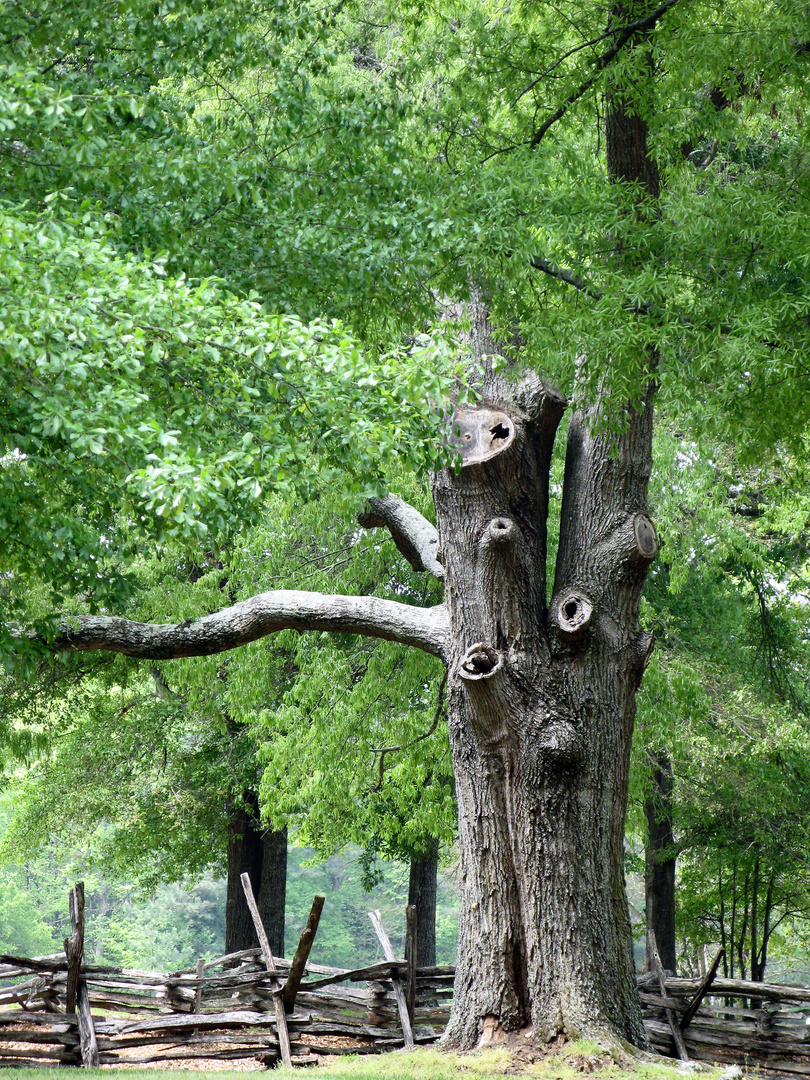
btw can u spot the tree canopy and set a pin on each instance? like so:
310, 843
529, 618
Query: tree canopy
228, 239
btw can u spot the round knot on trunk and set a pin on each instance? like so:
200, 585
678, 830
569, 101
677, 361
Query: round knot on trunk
646, 539
501, 530
573, 611
480, 662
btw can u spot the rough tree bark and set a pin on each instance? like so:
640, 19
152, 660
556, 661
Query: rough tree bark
262, 854
422, 885
541, 706
659, 863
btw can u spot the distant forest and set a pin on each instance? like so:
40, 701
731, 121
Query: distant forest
176, 926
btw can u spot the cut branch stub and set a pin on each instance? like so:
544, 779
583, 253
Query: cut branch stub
640, 652
646, 539
480, 434
573, 613
480, 662
501, 530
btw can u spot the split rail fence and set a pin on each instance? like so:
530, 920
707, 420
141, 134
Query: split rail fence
762, 1026
253, 1005
244, 1005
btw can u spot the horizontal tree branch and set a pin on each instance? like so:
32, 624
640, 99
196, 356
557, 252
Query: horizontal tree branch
637, 307
415, 537
538, 263
249, 620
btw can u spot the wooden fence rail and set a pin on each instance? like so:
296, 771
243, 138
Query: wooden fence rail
232, 1007
229, 1008
736, 1022
238, 1017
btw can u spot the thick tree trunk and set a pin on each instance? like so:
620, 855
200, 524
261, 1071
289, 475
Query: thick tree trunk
541, 696
541, 707
422, 893
263, 856
659, 863
272, 896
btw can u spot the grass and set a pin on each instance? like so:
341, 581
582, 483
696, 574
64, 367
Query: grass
573, 1062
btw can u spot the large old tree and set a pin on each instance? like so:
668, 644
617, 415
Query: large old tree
540, 697
138, 409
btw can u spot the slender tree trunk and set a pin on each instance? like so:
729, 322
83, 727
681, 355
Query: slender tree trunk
723, 941
754, 918
743, 931
733, 914
273, 887
263, 856
758, 968
659, 863
422, 892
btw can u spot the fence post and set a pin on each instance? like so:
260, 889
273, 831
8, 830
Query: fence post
76, 996
410, 956
655, 960
299, 961
399, 994
270, 964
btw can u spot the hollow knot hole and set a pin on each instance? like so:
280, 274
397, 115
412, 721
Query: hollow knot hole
500, 431
480, 662
574, 614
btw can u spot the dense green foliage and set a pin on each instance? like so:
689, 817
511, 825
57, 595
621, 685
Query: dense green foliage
224, 230
727, 698
138, 407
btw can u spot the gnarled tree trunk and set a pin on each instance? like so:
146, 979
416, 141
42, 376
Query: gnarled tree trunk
541, 706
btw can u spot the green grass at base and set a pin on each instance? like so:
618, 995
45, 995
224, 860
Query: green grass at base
428, 1063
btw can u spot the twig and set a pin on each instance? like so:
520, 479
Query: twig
383, 750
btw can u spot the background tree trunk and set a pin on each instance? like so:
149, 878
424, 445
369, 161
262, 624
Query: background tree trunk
272, 894
659, 863
263, 856
422, 892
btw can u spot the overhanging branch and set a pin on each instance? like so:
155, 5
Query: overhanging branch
637, 307
415, 537
568, 276
249, 620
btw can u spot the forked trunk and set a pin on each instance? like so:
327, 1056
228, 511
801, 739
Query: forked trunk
541, 706
541, 694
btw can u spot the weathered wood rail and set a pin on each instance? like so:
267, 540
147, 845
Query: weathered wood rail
239, 1005
157, 1017
245, 1004
745, 1023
